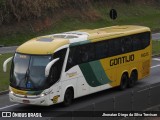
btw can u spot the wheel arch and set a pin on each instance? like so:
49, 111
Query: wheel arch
124, 80
68, 87
125, 72
134, 70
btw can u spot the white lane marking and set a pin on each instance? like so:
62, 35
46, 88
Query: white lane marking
155, 66
8, 106
157, 59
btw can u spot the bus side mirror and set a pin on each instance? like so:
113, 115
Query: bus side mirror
5, 64
48, 67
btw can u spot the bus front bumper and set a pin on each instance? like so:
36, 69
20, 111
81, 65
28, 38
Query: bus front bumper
31, 100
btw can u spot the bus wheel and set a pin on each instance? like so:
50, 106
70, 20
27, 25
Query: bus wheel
68, 97
133, 79
124, 81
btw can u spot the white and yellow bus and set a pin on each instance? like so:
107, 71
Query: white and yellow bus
61, 67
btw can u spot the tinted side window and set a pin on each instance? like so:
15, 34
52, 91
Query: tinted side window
87, 53
141, 41
73, 58
145, 38
107, 48
101, 49
126, 43
115, 47
137, 45
81, 54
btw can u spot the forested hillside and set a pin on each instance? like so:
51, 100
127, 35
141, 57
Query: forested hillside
21, 20
19, 10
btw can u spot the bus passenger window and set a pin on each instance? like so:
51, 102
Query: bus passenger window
71, 61
101, 50
145, 38
91, 52
87, 53
126, 45
115, 47
74, 53
83, 54
137, 43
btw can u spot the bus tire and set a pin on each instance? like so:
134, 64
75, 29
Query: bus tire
68, 97
133, 78
124, 81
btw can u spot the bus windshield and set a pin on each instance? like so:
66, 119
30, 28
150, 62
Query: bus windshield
28, 71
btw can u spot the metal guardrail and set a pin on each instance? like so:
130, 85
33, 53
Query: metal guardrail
139, 99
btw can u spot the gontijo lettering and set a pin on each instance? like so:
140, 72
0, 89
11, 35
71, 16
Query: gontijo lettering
121, 60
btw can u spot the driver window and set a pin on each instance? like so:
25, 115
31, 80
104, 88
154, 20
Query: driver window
56, 69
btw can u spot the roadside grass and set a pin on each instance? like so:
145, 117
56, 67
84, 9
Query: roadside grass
143, 14
156, 47
4, 77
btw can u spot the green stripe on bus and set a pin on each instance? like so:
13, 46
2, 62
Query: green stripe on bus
80, 43
99, 72
94, 73
89, 75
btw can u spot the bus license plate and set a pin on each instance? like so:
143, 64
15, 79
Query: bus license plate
26, 101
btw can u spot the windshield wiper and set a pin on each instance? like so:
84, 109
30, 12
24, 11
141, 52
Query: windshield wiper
27, 75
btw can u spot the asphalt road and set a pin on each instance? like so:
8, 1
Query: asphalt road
6, 105
156, 36
12, 49
7, 49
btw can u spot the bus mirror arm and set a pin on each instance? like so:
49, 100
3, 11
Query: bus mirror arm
48, 67
5, 64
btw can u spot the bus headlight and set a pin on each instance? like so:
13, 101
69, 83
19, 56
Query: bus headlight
10, 91
45, 93
42, 95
